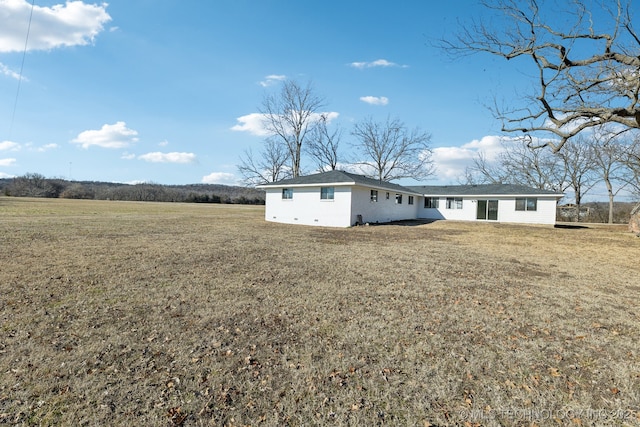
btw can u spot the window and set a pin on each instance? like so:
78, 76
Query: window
431, 202
410, 200
387, 195
287, 193
374, 195
326, 193
454, 202
526, 204
398, 199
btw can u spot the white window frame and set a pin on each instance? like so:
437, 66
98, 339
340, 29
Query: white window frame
454, 202
327, 193
527, 204
433, 202
287, 193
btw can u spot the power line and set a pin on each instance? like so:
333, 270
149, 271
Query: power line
24, 54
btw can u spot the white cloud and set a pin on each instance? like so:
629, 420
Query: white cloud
377, 63
9, 146
7, 162
46, 147
71, 24
128, 156
109, 136
163, 143
375, 100
451, 162
9, 72
491, 146
329, 116
158, 157
223, 178
272, 79
6, 175
254, 122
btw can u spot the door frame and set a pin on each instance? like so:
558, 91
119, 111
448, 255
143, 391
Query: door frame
487, 209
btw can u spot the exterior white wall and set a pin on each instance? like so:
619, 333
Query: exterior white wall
544, 214
384, 210
467, 213
307, 208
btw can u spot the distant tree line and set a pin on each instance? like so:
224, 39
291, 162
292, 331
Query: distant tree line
36, 185
596, 212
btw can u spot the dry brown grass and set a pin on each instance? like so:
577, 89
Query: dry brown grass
116, 313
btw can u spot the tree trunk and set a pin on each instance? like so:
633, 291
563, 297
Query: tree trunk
610, 192
634, 221
296, 164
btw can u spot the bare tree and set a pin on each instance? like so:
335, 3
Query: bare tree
289, 116
577, 159
35, 185
392, 151
631, 159
608, 162
484, 171
268, 166
585, 77
632, 162
520, 163
323, 145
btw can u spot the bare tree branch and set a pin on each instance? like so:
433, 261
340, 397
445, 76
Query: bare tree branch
392, 151
268, 166
521, 163
323, 145
608, 162
578, 161
586, 77
631, 159
289, 116
484, 172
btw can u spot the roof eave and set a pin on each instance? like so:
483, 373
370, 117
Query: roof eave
339, 184
319, 184
558, 196
383, 188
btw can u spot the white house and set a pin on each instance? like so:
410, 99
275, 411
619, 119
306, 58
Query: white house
490, 202
343, 199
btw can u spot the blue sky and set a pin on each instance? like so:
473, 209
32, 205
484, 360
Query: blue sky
162, 91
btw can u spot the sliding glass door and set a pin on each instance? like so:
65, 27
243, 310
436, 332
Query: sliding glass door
487, 210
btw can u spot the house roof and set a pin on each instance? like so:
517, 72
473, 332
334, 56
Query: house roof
482, 190
337, 177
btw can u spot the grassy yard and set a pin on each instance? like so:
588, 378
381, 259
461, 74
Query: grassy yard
118, 313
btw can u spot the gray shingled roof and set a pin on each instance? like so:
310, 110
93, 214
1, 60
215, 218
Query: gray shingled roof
339, 177
342, 177
481, 190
